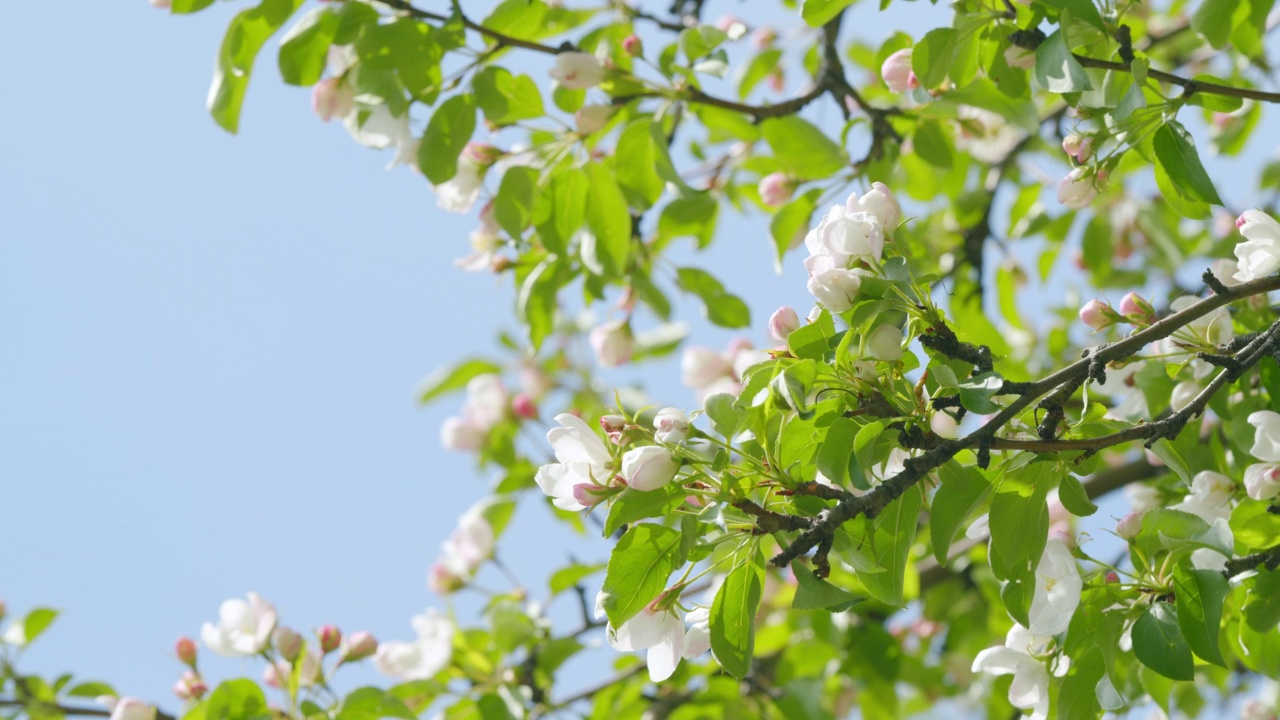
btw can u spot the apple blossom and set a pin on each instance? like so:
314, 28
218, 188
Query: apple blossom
649, 467
486, 403
582, 458
776, 189
442, 579
1183, 394
1078, 148
190, 686
1017, 57
1129, 526
1057, 591
1259, 254
885, 343
458, 434
243, 628
671, 425
732, 27
485, 243
590, 119
844, 235
1094, 314
524, 406
460, 193
468, 546
330, 638
707, 371
378, 128
662, 634
1135, 307
633, 45
1018, 657
423, 658
131, 708
332, 98
1143, 497
835, 288
276, 675
184, 648
985, 135
287, 642
1210, 496
782, 323
1225, 271
879, 201
897, 73
1262, 481
577, 70
763, 38
1266, 436
613, 343
357, 646
1076, 190
1256, 709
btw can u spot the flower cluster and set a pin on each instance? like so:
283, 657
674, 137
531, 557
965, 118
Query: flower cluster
466, 549
485, 406
708, 372
849, 238
423, 657
660, 631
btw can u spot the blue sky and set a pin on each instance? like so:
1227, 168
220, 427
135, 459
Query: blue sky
208, 347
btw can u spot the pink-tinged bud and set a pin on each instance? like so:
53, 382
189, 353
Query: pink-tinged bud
613, 423
649, 467
776, 188
592, 118
1129, 526
897, 73
185, 649
1135, 308
1078, 148
276, 674
782, 323
524, 406
1095, 314
777, 80
633, 45
442, 580
330, 638
763, 38
731, 26
287, 642
613, 343
481, 154
1112, 577
358, 646
1240, 221
588, 494
459, 434
162, 4
1076, 190
332, 98
190, 687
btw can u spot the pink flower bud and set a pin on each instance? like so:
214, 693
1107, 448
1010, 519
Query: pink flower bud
330, 638
731, 26
1129, 525
613, 423
190, 687
524, 406
897, 73
1076, 190
1112, 577
358, 646
782, 323
481, 154
130, 708
633, 46
613, 343
185, 648
442, 580
1134, 307
588, 494
763, 38
332, 98
276, 674
776, 188
287, 642
649, 467
1095, 315
1078, 148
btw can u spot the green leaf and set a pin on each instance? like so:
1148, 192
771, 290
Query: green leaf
813, 341
505, 98
568, 190
453, 377
304, 49
638, 570
723, 308
893, 532
239, 699
934, 144
817, 13
1172, 459
700, 41
371, 703
536, 303
1213, 20
636, 164
724, 415
976, 392
1200, 595
183, 7
565, 578
447, 134
961, 490
1262, 603
733, 617
692, 216
802, 149
91, 689
814, 593
1177, 155
631, 505
1080, 10
1057, 70
790, 222
245, 35
931, 58
760, 67
36, 622
513, 205
1158, 643
836, 449
1019, 520
1072, 494
607, 216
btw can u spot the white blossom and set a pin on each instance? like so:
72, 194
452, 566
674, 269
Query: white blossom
582, 458
985, 135
592, 118
1077, 190
419, 659
577, 70
1057, 592
613, 343
671, 425
1018, 657
836, 288
879, 201
1262, 481
244, 627
378, 128
460, 193
649, 467
1259, 255
1266, 438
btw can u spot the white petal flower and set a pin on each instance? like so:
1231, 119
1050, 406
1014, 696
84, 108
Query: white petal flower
1183, 393
1077, 190
1262, 480
423, 658
1057, 593
1259, 255
460, 193
1030, 687
130, 708
613, 343
381, 129
487, 401
1266, 438
577, 70
244, 627
879, 201
697, 639
985, 135
835, 288
582, 456
660, 632
671, 425
649, 467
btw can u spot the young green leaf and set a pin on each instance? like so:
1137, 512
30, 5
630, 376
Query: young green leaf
1159, 644
638, 570
961, 489
447, 134
244, 38
1177, 155
1057, 70
733, 617
802, 149
1200, 595
453, 377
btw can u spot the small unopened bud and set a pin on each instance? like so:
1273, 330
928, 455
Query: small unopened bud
481, 154
500, 264
885, 343
276, 675
897, 73
1129, 525
442, 580
763, 38
1095, 314
332, 98
330, 638
588, 494
1112, 577
190, 687
776, 188
1136, 309
613, 425
782, 323
185, 649
1077, 147
358, 646
524, 406
287, 642
633, 45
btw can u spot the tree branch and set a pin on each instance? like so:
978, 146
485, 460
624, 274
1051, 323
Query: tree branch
70, 710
